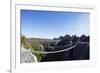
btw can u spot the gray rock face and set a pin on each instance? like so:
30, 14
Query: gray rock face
26, 56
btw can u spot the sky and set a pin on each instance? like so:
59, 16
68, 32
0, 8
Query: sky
52, 24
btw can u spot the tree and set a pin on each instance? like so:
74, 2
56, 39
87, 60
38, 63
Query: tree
24, 42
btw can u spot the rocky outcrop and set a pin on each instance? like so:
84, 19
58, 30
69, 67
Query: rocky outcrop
26, 56
80, 52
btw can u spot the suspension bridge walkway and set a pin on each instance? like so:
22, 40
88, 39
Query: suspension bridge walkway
58, 51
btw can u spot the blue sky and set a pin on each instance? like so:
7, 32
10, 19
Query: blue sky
51, 24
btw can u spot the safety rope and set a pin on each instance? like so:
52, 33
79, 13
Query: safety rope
51, 52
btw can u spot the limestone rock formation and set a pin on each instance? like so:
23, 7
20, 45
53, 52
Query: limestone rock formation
26, 56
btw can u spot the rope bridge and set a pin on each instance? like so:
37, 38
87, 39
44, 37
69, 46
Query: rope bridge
51, 52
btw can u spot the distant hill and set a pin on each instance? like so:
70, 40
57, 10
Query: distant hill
42, 40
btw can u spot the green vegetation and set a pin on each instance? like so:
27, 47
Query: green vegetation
24, 42
36, 46
33, 45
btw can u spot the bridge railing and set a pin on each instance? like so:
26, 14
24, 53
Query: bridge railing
66, 48
58, 51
